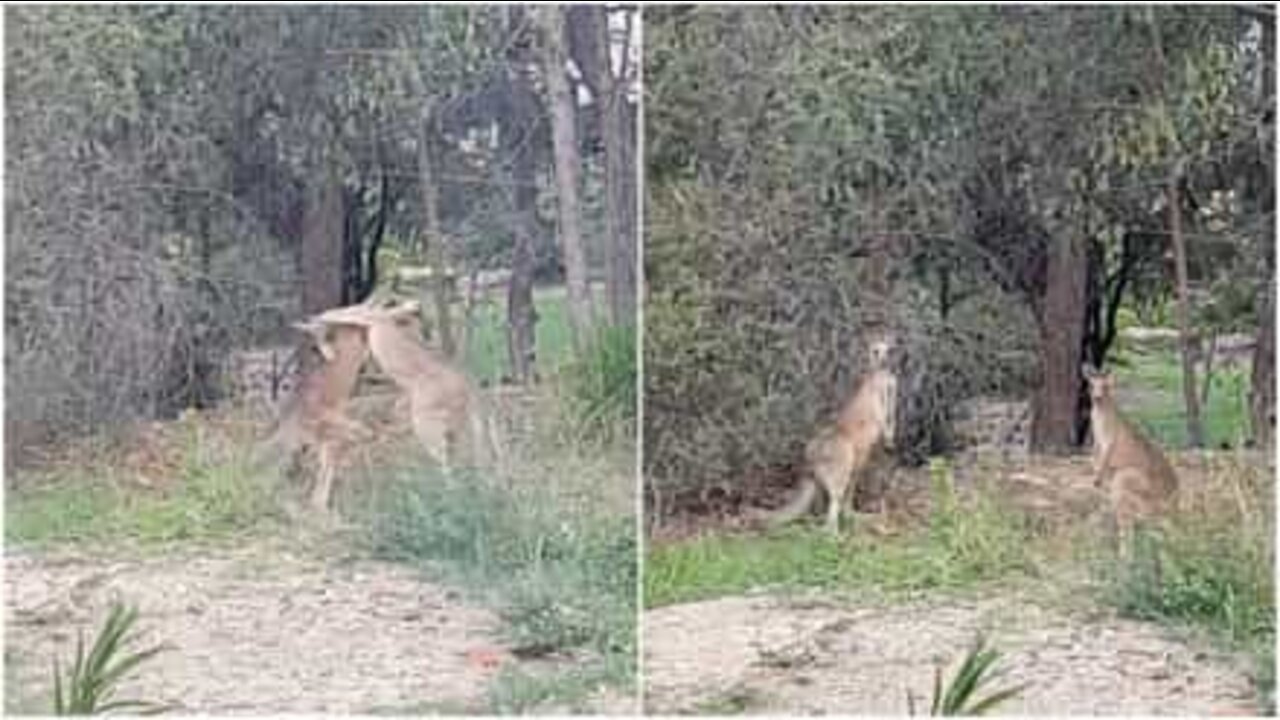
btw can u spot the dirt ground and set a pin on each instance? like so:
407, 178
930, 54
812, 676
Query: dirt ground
257, 629
816, 656
823, 655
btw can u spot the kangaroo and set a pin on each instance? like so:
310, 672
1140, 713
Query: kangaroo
1134, 473
442, 406
840, 452
315, 415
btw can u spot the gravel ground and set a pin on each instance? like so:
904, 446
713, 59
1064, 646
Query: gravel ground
771, 655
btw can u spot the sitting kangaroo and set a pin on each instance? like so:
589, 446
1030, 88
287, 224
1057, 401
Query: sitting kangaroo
1134, 473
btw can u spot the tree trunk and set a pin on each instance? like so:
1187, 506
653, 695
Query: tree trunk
563, 105
1262, 397
1195, 431
322, 246
1212, 349
1061, 326
591, 47
518, 151
620, 197
433, 248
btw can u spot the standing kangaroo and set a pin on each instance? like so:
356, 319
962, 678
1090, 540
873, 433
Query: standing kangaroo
1135, 475
839, 453
441, 402
315, 416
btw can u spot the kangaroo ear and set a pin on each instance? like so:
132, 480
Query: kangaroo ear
1088, 371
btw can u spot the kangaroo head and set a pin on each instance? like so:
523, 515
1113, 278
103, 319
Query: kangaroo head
1101, 384
879, 351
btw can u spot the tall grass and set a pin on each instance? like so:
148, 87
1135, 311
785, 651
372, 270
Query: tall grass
600, 384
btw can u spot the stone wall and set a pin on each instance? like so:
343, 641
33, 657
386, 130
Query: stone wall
993, 425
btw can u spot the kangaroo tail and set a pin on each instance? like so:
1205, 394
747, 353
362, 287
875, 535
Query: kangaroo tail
799, 505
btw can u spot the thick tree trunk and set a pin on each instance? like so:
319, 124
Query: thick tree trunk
521, 318
1061, 324
322, 246
1195, 431
563, 106
433, 246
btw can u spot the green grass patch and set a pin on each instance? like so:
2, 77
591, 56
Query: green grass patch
1154, 379
969, 538
562, 576
209, 498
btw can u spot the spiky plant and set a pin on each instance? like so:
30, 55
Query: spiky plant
959, 697
93, 678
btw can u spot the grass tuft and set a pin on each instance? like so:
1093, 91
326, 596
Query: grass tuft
91, 682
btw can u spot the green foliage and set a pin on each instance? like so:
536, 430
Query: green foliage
91, 681
786, 148
959, 696
601, 383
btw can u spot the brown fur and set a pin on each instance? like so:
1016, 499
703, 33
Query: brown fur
839, 453
441, 403
1137, 478
315, 417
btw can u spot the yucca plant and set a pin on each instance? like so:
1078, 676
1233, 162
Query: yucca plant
959, 697
93, 678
